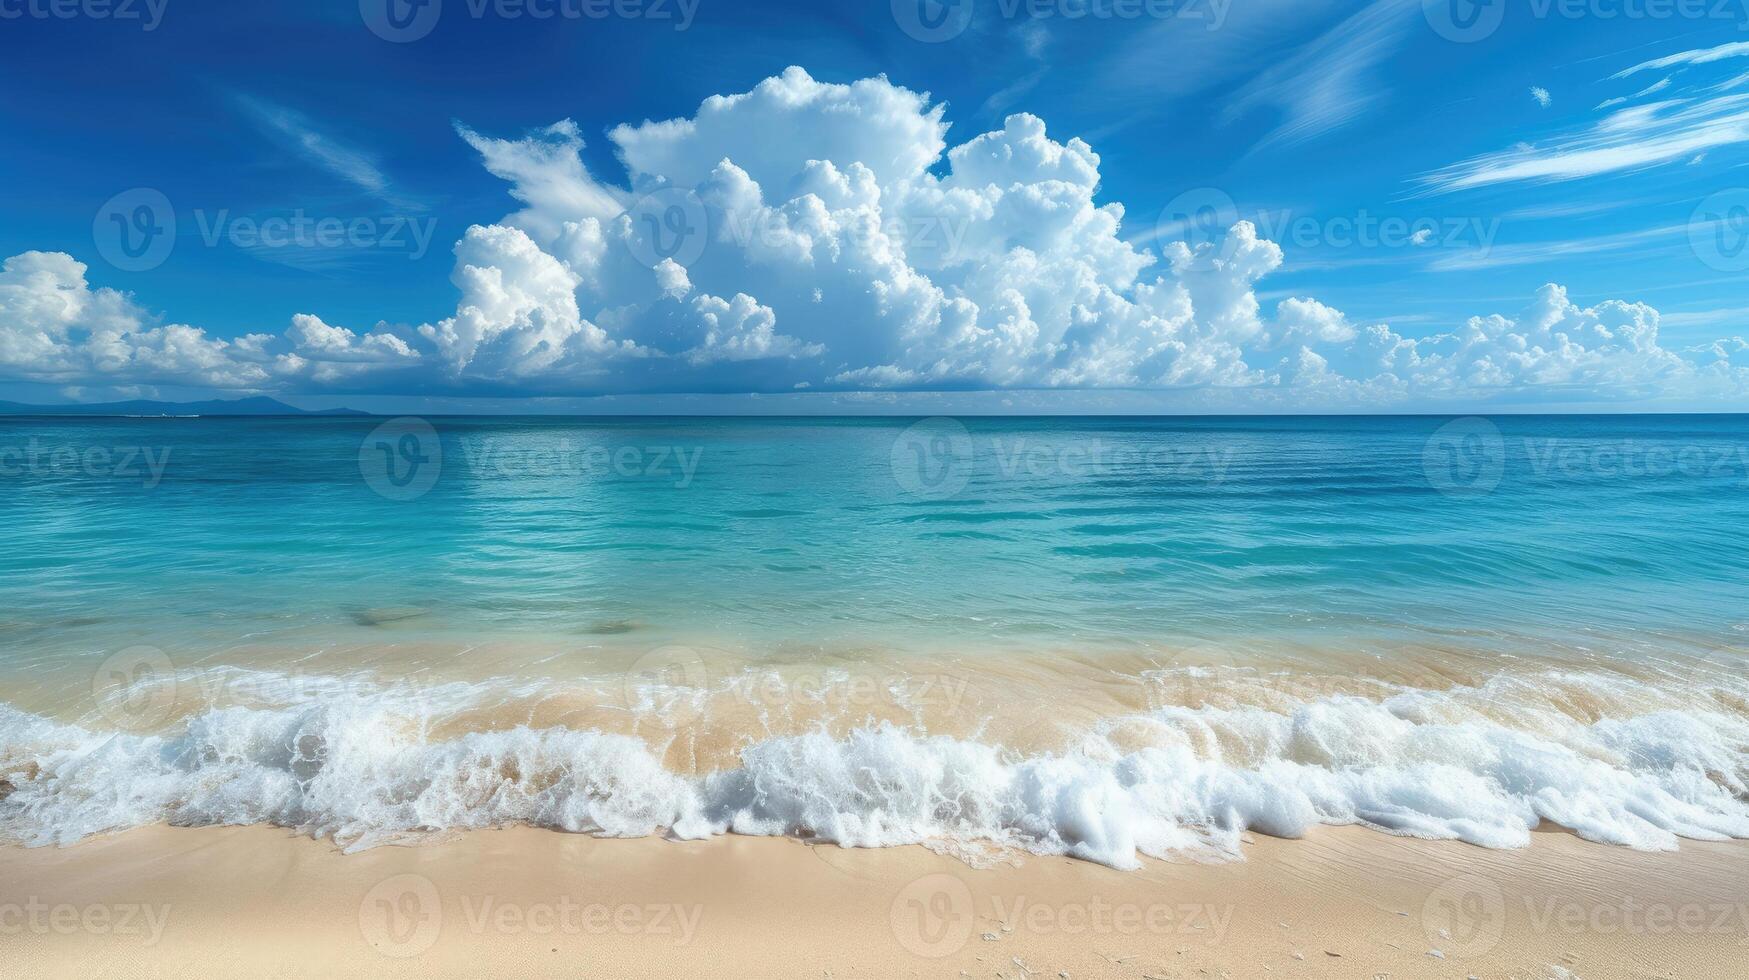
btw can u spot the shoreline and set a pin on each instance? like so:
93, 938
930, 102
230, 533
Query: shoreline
1341, 902
1129, 759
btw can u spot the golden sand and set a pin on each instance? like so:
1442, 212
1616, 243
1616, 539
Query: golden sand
518, 902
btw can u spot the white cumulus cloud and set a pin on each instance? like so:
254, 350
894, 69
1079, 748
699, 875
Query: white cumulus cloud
820, 237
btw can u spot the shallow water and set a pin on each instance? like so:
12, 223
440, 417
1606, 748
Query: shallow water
1095, 636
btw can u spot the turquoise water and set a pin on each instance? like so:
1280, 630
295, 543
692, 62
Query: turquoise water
825, 531
1098, 637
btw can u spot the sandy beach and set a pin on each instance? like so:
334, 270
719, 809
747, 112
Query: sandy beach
1343, 902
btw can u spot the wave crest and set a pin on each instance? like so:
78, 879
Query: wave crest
1484, 764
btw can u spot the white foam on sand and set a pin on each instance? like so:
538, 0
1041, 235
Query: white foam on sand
1484, 764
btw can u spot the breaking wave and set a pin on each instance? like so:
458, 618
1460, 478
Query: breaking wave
1600, 754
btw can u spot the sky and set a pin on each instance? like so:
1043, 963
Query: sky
1151, 206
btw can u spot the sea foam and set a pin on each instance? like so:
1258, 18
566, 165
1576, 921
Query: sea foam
1484, 764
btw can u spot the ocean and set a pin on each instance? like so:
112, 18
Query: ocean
1103, 637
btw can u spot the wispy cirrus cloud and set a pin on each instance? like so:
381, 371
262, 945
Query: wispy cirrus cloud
1727, 316
1642, 242
1698, 56
298, 132
1628, 139
1163, 63
1680, 127
1330, 81
1652, 89
1034, 38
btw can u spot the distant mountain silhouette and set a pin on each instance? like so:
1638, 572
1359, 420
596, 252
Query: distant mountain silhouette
258, 405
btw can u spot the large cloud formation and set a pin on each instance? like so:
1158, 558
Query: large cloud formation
813, 236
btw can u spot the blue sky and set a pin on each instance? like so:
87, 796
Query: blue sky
1408, 179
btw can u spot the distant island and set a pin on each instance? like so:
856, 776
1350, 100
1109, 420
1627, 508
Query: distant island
258, 405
